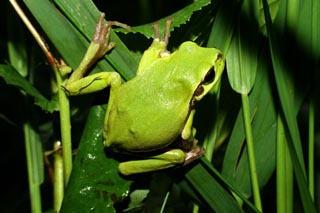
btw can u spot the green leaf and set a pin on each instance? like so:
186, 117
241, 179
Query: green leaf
219, 201
273, 7
216, 195
285, 87
94, 183
179, 18
17, 50
242, 57
77, 35
242, 63
12, 77
61, 34
84, 15
308, 32
223, 26
235, 164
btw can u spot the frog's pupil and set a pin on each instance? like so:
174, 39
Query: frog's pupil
209, 76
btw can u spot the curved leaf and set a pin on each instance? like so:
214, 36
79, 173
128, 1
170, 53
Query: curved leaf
180, 17
12, 77
94, 183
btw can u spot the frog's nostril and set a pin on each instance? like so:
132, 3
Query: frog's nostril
219, 57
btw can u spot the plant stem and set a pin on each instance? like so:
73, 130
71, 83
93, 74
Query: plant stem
284, 172
311, 149
58, 190
65, 127
63, 99
250, 148
33, 169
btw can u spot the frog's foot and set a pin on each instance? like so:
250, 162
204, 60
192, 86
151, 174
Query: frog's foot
191, 149
165, 39
195, 153
102, 35
166, 33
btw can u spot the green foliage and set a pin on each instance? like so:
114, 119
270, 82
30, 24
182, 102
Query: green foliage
95, 183
12, 77
180, 17
272, 55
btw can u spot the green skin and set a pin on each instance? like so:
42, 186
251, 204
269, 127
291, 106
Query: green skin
156, 108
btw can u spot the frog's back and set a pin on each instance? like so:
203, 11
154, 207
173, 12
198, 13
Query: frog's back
148, 115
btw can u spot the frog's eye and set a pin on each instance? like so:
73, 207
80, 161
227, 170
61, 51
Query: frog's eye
209, 77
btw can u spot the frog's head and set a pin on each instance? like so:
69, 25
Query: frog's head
206, 67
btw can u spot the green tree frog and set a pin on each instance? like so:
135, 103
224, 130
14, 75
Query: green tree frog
151, 115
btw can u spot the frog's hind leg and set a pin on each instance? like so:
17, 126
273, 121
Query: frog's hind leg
164, 160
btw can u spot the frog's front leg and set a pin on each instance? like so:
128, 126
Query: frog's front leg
157, 49
188, 142
99, 46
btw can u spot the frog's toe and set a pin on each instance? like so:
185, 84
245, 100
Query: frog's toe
195, 153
